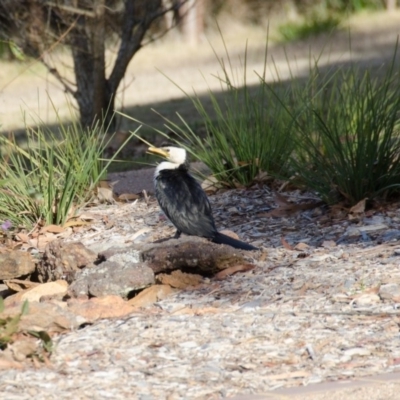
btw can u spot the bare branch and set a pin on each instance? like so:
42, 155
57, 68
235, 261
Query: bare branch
56, 74
72, 10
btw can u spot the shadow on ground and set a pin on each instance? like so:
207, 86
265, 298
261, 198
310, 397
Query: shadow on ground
370, 47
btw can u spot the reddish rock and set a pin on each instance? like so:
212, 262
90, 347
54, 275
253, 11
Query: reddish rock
64, 260
16, 264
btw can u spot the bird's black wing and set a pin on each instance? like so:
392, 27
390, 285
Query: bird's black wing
185, 203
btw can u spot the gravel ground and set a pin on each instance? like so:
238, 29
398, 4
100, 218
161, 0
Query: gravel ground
321, 304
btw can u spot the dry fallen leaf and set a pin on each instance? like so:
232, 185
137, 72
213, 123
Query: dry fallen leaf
19, 285
233, 270
358, 209
23, 237
301, 246
211, 185
105, 195
286, 208
76, 222
128, 197
52, 229
262, 176
6, 364
41, 241
110, 306
285, 244
179, 280
150, 295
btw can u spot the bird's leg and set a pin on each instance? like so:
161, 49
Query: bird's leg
177, 234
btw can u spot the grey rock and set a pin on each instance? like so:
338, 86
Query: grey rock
389, 235
193, 254
112, 278
128, 256
16, 264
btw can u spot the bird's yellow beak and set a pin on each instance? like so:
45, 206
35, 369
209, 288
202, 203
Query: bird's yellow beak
160, 152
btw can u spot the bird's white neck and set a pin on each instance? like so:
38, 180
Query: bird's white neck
165, 165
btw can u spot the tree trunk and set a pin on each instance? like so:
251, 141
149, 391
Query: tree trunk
83, 68
193, 20
390, 5
84, 27
99, 69
94, 96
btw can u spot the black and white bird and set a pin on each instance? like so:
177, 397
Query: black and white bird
184, 201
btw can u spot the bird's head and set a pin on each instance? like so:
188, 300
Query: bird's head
174, 155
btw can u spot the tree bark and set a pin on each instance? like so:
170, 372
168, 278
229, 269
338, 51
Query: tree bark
99, 68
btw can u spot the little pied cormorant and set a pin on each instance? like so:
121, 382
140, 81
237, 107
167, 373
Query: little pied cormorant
183, 200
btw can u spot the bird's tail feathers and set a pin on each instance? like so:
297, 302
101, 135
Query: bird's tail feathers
220, 238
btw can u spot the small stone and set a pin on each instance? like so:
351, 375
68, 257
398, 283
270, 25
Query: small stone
63, 260
390, 291
349, 283
15, 264
390, 235
112, 278
328, 244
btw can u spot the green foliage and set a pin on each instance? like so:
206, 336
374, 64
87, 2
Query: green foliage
323, 16
45, 338
312, 26
352, 5
348, 135
52, 176
336, 132
9, 325
247, 133
9, 328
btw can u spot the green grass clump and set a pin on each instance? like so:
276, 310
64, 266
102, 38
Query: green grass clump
323, 17
335, 132
348, 142
9, 325
53, 175
247, 132
311, 26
